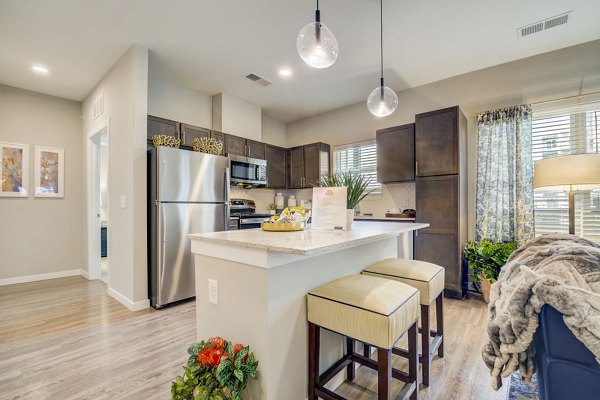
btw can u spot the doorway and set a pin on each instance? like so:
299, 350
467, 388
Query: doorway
98, 209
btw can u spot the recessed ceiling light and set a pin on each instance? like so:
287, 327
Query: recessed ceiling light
40, 68
285, 71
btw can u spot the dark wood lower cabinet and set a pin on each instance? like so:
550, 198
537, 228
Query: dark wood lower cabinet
438, 204
442, 250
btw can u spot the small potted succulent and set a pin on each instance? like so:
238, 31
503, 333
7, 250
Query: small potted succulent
485, 261
357, 189
272, 209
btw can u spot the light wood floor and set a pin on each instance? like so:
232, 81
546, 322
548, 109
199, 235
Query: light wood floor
67, 339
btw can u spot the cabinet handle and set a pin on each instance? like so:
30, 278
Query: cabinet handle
183, 137
416, 168
247, 150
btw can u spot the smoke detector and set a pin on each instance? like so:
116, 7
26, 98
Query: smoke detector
259, 79
546, 24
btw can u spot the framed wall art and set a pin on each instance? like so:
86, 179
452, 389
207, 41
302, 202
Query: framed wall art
14, 169
49, 172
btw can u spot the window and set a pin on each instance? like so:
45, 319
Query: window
359, 158
562, 133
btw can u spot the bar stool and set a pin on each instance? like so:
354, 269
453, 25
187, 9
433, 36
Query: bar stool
429, 279
372, 310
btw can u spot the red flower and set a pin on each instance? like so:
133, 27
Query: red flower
237, 348
211, 356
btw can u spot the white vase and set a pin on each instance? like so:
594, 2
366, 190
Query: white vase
349, 217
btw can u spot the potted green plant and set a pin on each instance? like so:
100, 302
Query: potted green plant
485, 261
272, 208
217, 369
357, 189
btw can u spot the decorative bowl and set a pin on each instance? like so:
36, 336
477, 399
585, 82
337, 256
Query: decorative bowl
282, 226
207, 145
166, 141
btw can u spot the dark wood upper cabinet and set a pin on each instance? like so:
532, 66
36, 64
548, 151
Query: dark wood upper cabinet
316, 163
190, 132
244, 147
396, 154
235, 145
436, 142
438, 203
307, 164
255, 149
296, 167
161, 126
276, 166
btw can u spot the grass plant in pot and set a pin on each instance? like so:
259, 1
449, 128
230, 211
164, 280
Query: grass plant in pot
485, 261
357, 189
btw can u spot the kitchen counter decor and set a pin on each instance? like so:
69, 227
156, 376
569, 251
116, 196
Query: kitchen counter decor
216, 370
291, 219
166, 141
207, 145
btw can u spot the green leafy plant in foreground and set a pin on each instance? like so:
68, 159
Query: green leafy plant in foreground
216, 370
487, 258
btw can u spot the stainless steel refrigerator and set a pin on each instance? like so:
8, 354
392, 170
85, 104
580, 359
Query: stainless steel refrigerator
188, 193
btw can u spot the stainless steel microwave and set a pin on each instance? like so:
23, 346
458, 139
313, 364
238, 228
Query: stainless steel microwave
248, 171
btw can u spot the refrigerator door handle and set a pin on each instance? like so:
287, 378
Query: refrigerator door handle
227, 199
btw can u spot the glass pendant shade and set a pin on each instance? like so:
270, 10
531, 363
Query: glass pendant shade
382, 101
317, 46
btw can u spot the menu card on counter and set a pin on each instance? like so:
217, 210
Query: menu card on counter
329, 208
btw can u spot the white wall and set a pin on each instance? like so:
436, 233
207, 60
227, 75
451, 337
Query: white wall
42, 235
172, 101
125, 90
236, 116
547, 76
274, 131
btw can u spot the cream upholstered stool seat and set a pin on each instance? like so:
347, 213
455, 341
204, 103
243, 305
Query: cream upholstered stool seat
429, 279
372, 310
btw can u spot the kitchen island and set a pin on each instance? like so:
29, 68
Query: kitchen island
262, 279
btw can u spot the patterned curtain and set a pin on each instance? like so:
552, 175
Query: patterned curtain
504, 203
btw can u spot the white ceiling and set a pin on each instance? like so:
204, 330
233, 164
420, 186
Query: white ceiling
210, 46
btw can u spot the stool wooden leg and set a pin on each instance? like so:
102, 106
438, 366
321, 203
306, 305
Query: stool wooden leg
314, 342
366, 350
425, 358
350, 350
439, 315
384, 373
413, 359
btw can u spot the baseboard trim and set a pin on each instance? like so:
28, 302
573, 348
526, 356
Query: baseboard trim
85, 274
42, 277
137, 306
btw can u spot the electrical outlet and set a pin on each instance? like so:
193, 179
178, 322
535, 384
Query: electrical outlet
213, 291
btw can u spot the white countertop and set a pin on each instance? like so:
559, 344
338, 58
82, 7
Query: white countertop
383, 219
308, 242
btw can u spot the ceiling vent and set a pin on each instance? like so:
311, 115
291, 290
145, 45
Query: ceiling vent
545, 24
259, 79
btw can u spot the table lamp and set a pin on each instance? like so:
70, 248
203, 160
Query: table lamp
568, 174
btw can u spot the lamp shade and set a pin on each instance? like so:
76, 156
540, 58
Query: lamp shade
565, 173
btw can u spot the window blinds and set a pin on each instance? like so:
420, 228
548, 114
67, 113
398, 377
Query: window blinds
359, 158
558, 133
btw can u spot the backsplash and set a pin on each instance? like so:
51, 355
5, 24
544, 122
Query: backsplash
395, 195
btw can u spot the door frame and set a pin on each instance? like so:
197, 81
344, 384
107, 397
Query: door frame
93, 196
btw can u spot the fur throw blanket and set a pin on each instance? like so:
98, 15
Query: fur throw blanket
562, 271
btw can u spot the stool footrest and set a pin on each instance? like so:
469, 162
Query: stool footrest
435, 344
335, 369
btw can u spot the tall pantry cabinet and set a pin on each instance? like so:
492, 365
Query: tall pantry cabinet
441, 197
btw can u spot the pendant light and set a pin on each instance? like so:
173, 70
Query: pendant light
316, 44
382, 101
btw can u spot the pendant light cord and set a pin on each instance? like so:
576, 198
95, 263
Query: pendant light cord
380, 36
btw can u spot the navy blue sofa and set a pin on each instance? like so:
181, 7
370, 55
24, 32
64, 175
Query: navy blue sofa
566, 369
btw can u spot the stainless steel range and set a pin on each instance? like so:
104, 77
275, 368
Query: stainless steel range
244, 211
